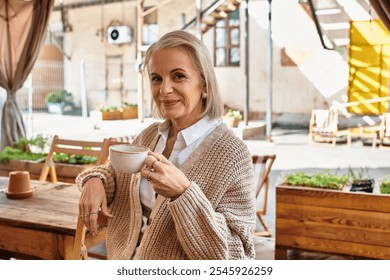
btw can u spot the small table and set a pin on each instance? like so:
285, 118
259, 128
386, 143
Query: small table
42, 226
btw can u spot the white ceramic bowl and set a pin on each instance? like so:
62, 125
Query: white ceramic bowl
128, 158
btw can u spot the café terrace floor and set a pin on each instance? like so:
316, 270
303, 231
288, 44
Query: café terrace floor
289, 143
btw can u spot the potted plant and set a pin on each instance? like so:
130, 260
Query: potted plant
110, 113
323, 180
233, 117
129, 111
59, 102
361, 181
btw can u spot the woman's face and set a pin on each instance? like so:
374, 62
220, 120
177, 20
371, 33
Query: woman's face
176, 86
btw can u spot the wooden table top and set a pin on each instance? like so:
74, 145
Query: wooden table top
53, 207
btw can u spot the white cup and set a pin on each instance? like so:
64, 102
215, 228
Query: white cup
127, 158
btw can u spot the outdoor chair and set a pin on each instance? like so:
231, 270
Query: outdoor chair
324, 127
73, 147
87, 245
384, 130
262, 165
83, 239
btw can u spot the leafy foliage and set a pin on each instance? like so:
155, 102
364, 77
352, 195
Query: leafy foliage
21, 150
385, 186
109, 109
59, 96
10, 153
361, 174
74, 159
324, 180
127, 104
231, 113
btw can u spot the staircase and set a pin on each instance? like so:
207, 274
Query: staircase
332, 19
214, 12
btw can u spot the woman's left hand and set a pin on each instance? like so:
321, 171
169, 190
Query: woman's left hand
166, 179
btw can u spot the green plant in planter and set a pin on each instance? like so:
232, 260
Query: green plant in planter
234, 114
60, 96
59, 102
324, 180
22, 150
361, 180
362, 174
127, 104
108, 109
33, 149
384, 186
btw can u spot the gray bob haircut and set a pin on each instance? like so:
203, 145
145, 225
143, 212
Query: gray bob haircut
200, 55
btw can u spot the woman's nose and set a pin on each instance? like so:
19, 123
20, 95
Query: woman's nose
166, 88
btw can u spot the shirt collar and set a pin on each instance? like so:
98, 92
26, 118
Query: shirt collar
190, 134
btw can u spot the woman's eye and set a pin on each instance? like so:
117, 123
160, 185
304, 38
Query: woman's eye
155, 79
179, 76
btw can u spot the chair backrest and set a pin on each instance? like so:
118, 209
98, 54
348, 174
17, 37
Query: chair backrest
324, 120
262, 165
98, 149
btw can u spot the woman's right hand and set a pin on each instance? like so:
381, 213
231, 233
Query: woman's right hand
93, 197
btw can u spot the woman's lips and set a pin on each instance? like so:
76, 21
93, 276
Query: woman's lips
169, 102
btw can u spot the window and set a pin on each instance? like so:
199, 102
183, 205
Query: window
150, 28
227, 40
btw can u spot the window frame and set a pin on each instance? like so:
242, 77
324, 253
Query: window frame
228, 46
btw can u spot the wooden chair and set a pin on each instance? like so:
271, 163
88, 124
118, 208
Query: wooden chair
83, 239
324, 127
74, 147
384, 130
262, 165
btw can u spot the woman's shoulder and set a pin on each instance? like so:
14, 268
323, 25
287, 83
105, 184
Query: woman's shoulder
226, 141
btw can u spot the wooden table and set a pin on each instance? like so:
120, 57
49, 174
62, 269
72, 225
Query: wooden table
337, 222
42, 226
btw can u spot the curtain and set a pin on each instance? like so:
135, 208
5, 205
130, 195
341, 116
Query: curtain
382, 8
23, 25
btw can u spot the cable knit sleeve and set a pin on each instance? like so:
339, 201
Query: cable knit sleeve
105, 173
222, 229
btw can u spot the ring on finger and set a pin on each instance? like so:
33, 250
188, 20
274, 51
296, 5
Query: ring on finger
148, 178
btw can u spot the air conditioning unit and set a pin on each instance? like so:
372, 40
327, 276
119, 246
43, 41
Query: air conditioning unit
119, 34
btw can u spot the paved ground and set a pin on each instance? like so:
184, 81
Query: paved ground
293, 153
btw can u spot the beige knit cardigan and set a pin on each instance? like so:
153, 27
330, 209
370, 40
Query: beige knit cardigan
213, 219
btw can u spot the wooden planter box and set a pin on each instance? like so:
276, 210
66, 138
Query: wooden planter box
337, 222
65, 172
114, 115
129, 113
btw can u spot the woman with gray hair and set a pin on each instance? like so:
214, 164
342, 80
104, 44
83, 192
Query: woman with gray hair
194, 198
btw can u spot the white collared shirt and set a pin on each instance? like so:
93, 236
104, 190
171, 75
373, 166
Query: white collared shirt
187, 141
